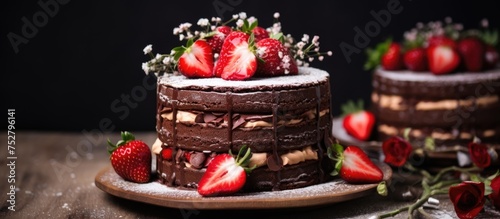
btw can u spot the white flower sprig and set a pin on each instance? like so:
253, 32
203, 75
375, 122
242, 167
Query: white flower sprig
304, 51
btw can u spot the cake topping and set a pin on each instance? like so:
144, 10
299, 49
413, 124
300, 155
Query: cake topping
438, 47
353, 165
238, 51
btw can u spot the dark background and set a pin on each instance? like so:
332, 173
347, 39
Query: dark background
74, 74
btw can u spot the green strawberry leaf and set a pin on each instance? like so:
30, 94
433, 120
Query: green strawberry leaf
352, 107
375, 54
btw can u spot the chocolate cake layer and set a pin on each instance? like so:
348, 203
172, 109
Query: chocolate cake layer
269, 115
450, 108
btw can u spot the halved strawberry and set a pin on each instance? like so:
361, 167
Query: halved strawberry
416, 59
260, 33
442, 59
217, 39
196, 60
130, 158
353, 165
237, 60
471, 49
441, 40
357, 122
274, 58
225, 175
392, 59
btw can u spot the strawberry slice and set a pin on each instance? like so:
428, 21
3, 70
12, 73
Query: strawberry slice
442, 59
196, 60
274, 58
357, 122
130, 158
472, 49
225, 174
392, 59
353, 165
237, 60
217, 39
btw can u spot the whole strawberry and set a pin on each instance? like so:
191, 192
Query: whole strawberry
274, 59
260, 33
392, 59
471, 50
491, 57
130, 158
217, 39
416, 59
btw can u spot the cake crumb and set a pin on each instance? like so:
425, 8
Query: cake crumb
66, 206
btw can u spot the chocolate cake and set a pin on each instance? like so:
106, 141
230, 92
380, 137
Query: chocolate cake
283, 120
452, 108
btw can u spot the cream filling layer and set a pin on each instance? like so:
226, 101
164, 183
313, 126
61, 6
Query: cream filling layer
391, 130
190, 118
290, 158
393, 102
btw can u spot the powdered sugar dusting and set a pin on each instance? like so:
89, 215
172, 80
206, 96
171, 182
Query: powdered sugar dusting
306, 75
470, 77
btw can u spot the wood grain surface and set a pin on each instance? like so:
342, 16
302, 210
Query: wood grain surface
55, 172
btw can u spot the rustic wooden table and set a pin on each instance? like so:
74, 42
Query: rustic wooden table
54, 178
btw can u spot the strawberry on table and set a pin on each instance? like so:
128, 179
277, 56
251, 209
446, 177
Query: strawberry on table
274, 58
357, 121
472, 50
130, 158
237, 60
225, 174
196, 59
353, 165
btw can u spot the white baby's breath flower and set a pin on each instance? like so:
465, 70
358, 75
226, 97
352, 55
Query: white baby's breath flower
166, 60
448, 20
216, 55
311, 59
235, 16
148, 49
315, 39
203, 22
305, 38
300, 44
145, 68
484, 23
181, 37
320, 58
172, 52
212, 27
316, 49
177, 30
276, 15
329, 53
239, 23
251, 20
242, 15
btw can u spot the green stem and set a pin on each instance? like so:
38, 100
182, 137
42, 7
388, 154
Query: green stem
393, 213
441, 173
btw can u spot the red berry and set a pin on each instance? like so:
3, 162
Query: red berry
416, 59
131, 159
197, 60
392, 59
274, 59
217, 40
236, 60
491, 57
442, 59
354, 166
166, 154
472, 50
260, 33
